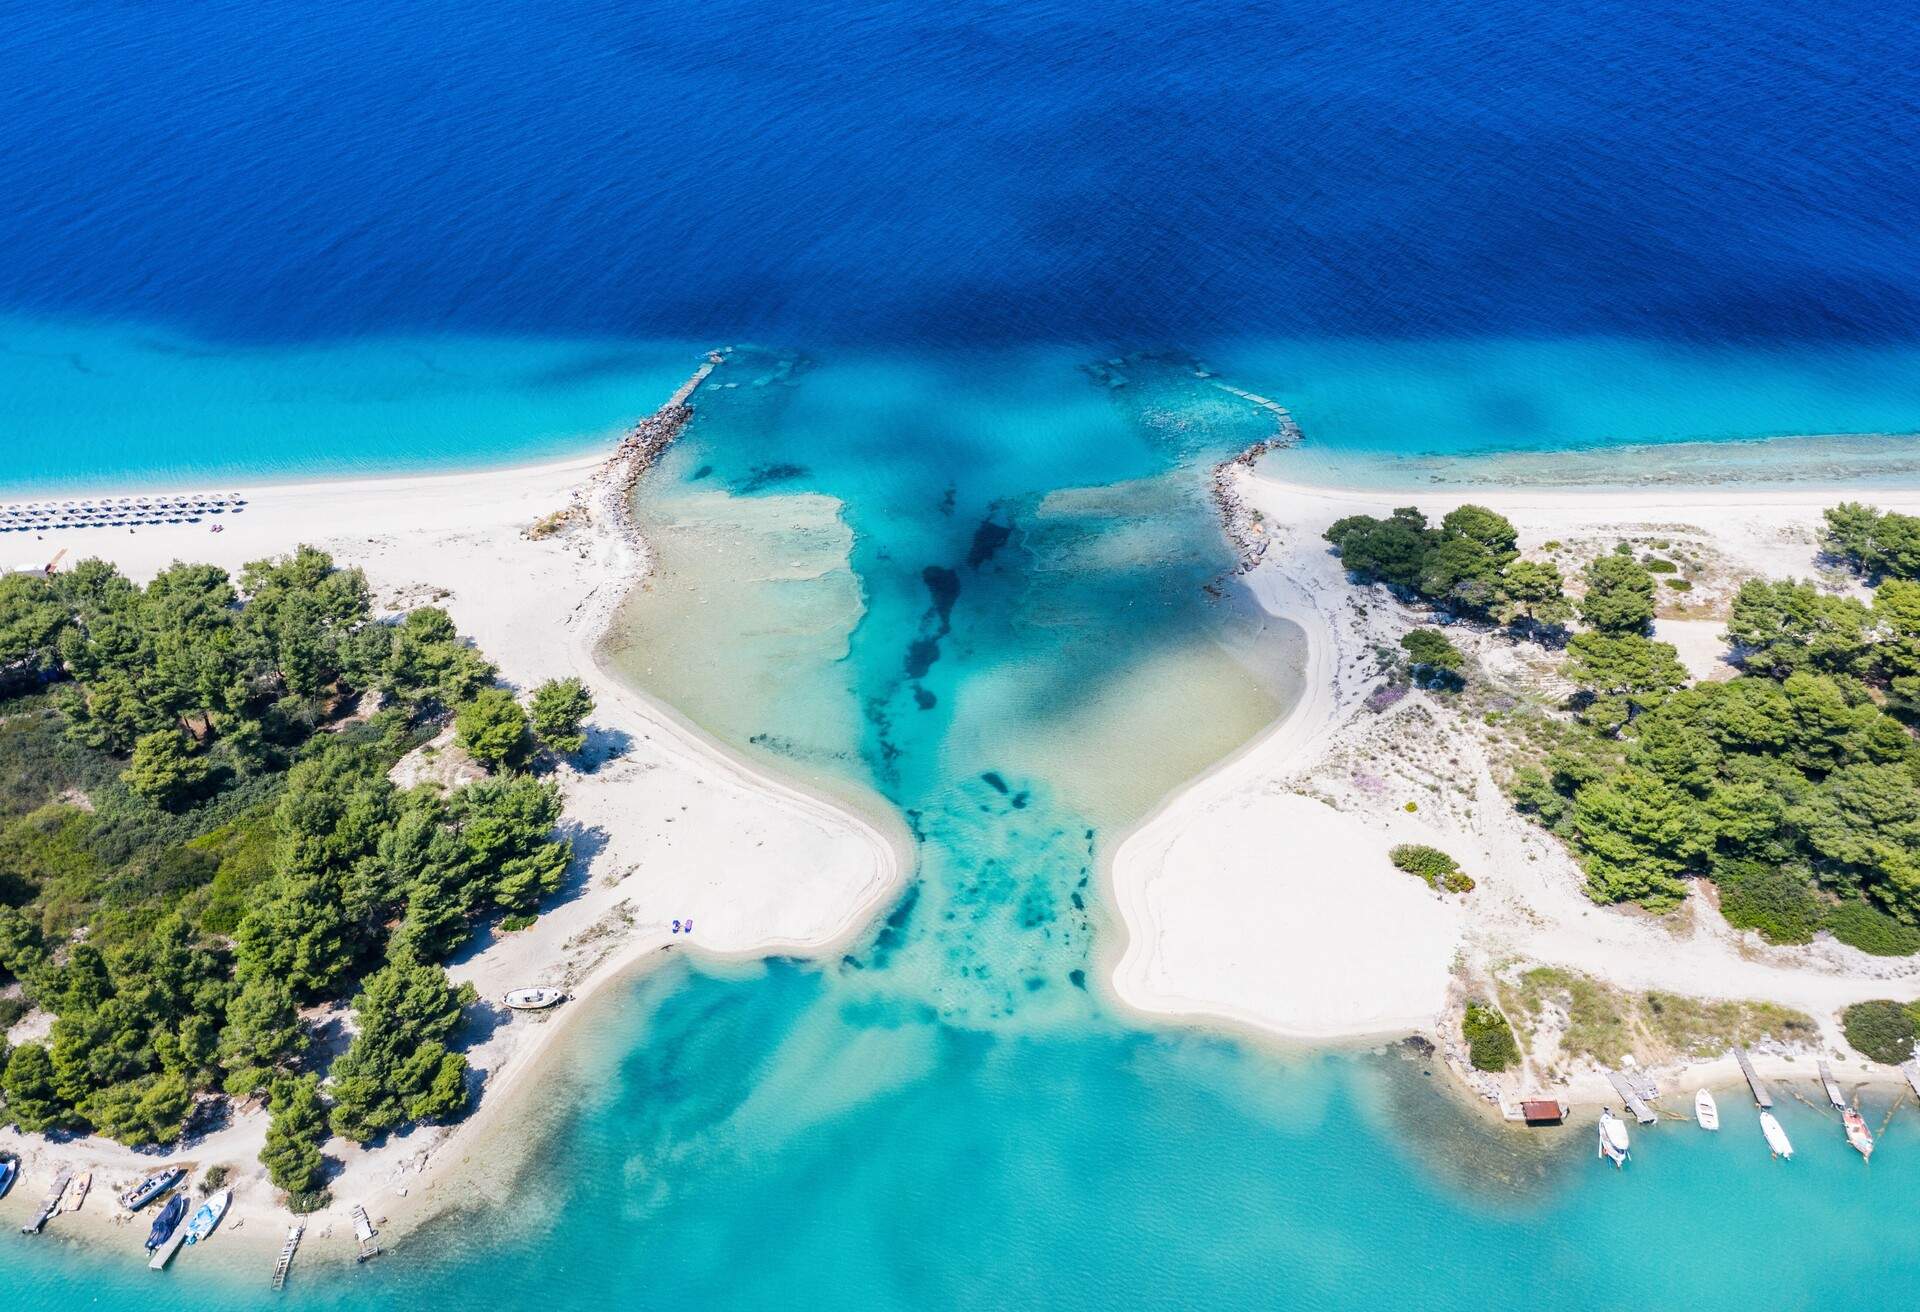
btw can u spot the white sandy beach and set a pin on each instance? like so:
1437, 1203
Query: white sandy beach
1261, 896
667, 827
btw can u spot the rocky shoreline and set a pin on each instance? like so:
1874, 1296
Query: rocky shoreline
1244, 526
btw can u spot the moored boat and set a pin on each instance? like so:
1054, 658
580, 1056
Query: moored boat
1777, 1142
1613, 1137
1857, 1133
1706, 1110
208, 1217
538, 999
152, 1187
167, 1222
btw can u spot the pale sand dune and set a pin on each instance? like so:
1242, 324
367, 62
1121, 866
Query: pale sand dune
1245, 901
669, 827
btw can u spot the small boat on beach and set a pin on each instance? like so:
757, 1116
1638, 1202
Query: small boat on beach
1706, 1110
208, 1217
1777, 1142
167, 1222
1613, 1137
152, 1187
77, 1191
535, 999
9, 1172
1858, 1134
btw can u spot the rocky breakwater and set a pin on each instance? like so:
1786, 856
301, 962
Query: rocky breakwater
606, 498
1244, 525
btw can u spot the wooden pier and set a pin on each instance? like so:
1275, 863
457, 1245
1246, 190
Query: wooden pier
1832, 1087
363, 1233
1632, 1097
284, 1263
1761, 1096
49, 1205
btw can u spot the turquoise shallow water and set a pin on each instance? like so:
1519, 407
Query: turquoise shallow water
749, 1142
948, 572
983, 588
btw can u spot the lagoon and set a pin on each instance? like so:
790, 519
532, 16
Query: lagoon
925, 556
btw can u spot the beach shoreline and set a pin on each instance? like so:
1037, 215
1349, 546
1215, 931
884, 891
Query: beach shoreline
667, 820
1230, 910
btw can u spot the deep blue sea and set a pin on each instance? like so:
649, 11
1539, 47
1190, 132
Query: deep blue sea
972, 255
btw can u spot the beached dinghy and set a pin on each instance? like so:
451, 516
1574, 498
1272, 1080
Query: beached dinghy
152, 1187
534, 999
1777, 1141
1858, 1134
208, 1216
77, 1191
1706, 1110
9, 1172
1613, 1137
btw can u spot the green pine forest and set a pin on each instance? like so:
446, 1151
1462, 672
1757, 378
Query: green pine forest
1793, 786
199, 843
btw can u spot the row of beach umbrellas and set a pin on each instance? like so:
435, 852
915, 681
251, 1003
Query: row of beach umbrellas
117, 511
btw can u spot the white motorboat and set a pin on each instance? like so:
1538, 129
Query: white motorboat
208, 1217
1777, 1142
1613, 1137
535, 999
1857, 1133
1706, 1111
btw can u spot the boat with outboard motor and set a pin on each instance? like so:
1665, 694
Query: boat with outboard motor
1857, 1132
1706, 1110
167, 1222
208, 1217
1777, 1142
536, 999
1613, 1137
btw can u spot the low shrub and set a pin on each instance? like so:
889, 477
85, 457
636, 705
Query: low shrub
513, 924
1655, 565
1679, 585
1432, 865
1862, 925
1490, 1042
1881, 1030
1775, 900
315, 1201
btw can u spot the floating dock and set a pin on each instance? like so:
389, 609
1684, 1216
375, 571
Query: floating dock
1761, 1096
164, 1254
50, 1205
284, 1263
1636, 1103
363, 1233
1832, 1087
